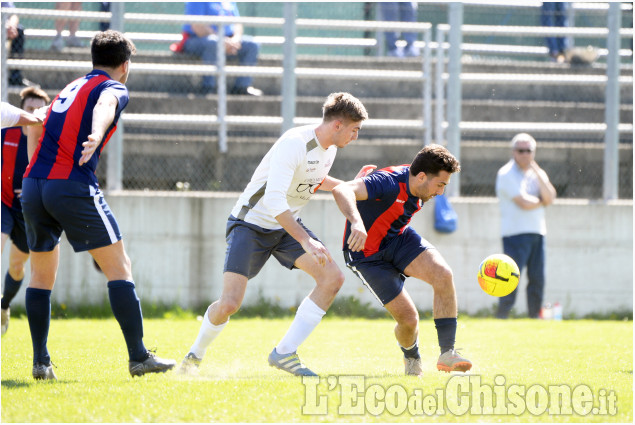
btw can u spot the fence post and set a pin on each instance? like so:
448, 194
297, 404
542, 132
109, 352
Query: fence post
612, 109
221, 84
427, 89
289, 63
453, 106
114, 165
4, 71
439, 89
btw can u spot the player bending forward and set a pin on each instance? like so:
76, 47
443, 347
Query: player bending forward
382, 250
265, 222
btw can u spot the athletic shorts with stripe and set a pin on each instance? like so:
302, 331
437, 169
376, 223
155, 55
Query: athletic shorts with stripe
13, 225
383, 272
249, 247
51, 207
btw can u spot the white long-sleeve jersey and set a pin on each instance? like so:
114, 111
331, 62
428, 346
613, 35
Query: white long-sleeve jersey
286, 178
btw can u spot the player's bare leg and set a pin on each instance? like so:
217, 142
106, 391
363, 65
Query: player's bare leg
431, 267
329, 279
115, 264
403, 310
215, 319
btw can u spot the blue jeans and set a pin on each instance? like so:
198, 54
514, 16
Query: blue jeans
398, 11
205, 47
528, 250
554, 14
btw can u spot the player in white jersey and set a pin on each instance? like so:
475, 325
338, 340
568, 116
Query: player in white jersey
265, 221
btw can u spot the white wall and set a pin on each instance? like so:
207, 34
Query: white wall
177, 245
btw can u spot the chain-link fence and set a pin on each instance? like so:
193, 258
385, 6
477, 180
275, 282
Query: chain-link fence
167, 156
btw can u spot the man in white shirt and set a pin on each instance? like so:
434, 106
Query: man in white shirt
12, 117
524, 190
265, 221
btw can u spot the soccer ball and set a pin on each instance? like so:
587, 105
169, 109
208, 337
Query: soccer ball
498, 275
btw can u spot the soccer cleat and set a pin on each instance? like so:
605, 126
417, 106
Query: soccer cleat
451, 361
152, 364
413, 366
189, 365
6, 314
42, 371
289, 363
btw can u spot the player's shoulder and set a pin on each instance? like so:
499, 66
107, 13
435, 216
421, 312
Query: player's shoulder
506, 169
300, 138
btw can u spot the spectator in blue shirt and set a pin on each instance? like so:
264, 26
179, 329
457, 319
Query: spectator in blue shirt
201, 40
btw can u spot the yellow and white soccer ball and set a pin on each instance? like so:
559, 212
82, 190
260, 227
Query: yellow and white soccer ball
498, 275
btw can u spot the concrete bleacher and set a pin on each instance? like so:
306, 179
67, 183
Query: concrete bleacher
572, 158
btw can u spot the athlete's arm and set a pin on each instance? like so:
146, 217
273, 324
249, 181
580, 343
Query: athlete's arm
33, 134
16, 117
103, 116
311, 246
346, 196
329, 183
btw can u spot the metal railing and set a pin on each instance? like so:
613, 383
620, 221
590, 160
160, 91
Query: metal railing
449, 119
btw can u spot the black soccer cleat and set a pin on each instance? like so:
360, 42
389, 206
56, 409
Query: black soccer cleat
152, 364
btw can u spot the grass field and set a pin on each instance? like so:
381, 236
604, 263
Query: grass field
518, 362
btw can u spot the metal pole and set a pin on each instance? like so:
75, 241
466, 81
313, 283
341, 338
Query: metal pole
221, 84
612, 109
454, 89
289, 63
439, 89
114, 166
427, 89
4, 70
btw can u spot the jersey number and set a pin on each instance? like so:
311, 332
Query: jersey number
67, 96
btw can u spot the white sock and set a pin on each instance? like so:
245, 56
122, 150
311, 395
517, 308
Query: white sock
306, 319
206, 335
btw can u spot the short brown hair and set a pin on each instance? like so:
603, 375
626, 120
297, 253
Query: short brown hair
33, 93
343, 106
110, 49
432, 159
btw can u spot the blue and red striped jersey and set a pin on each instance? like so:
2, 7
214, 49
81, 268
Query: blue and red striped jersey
14, 162
68, 124
388, 209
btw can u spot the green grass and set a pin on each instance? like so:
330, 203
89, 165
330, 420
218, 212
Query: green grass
236, 384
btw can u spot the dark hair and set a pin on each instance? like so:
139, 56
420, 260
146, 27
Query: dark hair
33, 93
432, 159
110, 49
343, 106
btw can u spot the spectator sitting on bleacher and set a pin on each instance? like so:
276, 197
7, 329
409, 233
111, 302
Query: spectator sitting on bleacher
404, 12
73, 26
201, 40
15, 37
554, 14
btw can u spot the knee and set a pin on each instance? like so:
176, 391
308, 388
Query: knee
410, 321
334, 280
228, 307
16, 268
444, 280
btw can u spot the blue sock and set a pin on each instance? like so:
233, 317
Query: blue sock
411, 352
11, 287
127, 310
38, 312
446, 332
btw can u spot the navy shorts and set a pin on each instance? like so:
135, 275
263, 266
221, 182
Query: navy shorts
13, 225
51, 207
249, 247
383, 272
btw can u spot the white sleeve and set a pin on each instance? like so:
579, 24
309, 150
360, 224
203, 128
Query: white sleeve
506, 187
10, 115
285, 158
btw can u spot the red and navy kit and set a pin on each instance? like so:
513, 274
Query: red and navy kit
387, 211
14, 162
67, 126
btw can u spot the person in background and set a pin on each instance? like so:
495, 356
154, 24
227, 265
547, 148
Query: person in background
73, 26
402, 12
14, 162
524, 190
201, 40
554, 14
15, 35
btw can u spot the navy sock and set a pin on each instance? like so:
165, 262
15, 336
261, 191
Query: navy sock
127, 310
412, 352
11, 287
446, 331
38, 312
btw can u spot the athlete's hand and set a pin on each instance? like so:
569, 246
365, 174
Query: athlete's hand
366, 170
318, 251
357, 239
89, 148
